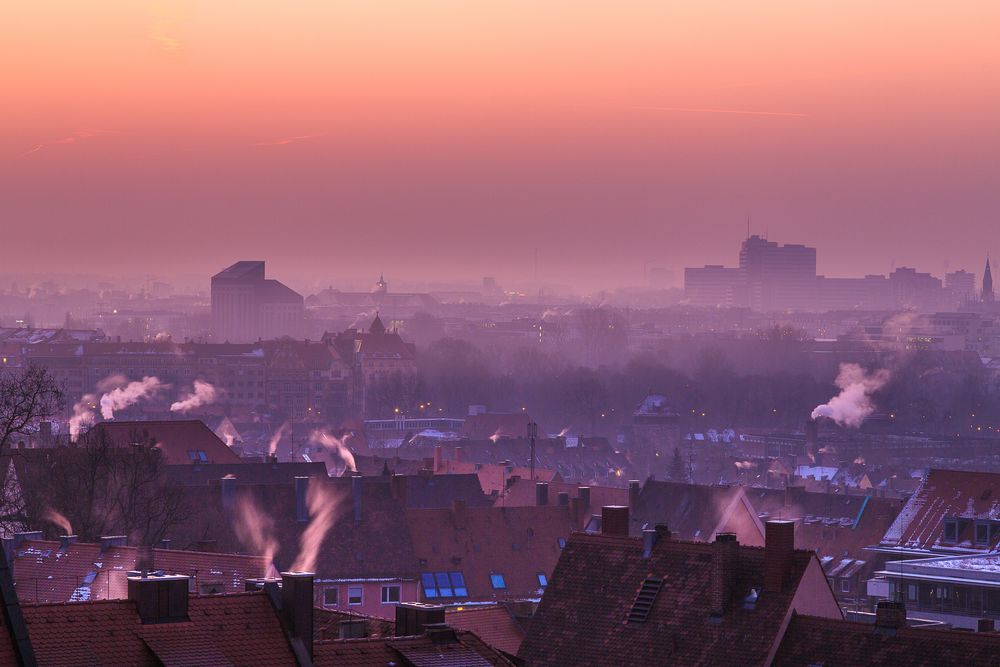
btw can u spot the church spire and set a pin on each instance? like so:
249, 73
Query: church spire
987, 295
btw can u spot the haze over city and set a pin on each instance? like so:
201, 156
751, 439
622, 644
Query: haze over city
499, 333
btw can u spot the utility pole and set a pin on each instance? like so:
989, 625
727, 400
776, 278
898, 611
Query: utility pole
532, 434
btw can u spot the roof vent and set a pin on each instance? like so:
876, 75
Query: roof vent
644, 600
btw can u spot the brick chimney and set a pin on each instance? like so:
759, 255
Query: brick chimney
227, 486
649, 539
297, 610
460, 454
614, 520
413, 617
541, 493
779, 545
725, 555
890, 616
160, 599
583, 493
301, 507
633, 492
437, 459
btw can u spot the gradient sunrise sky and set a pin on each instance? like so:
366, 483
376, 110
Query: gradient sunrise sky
449, 138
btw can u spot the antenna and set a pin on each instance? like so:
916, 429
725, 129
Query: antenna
748, 225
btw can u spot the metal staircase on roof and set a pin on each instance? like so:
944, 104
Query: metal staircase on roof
644, 600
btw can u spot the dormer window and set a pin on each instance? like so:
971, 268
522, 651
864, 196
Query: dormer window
982, 534
950, 530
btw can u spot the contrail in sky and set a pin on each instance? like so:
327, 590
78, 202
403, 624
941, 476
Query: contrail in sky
739, 112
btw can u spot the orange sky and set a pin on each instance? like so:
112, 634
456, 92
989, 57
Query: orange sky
444, 138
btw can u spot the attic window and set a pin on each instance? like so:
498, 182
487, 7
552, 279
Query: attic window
543, 581
644, 600
197, 455
951, 530
562, 542
444, 585
497, 581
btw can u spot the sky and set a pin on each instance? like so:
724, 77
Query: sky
448, 139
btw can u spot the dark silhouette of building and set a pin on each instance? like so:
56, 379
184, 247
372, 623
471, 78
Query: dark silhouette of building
987, 294
248, 307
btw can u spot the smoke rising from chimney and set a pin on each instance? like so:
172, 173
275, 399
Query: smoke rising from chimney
322, 502
122, 397
83, 415
58, 519
853, 404
272, 444
255, 529
335, 446
203, 394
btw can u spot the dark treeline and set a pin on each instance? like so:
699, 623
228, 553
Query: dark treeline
770, 380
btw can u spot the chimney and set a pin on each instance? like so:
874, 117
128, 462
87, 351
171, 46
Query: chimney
458, 514
297, 610
29, 535
301, 507
725, 554
662, 531
164, 543
541, 493
614, 520
583, 493
985, 625
65, 541
413, 617
160, 599
145, 560
779, 545
890, 616
563, 499
812, 432
356, 491
437, 459
108, 541
272, 458
228, 487
45, 432
460, 454
633, 493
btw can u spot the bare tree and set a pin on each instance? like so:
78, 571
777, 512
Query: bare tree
27, 396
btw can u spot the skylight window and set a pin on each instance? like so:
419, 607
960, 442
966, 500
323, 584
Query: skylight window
444, 585
497, 581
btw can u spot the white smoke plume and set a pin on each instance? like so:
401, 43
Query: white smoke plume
272, 444
133, 392
563, 432
853, 404
58, 519
334, 446
255, 529
83, 415
111, 382
203, 394
322, 502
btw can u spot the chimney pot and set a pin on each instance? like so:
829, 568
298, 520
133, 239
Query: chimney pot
65, 541
649, 538
297, 609
779, 545
725, 554
541, 493
890, 616
614, 520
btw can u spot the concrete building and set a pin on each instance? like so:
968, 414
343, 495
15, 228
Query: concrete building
247, 307
962, 285
778, 277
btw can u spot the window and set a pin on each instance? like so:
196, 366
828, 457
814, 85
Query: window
845, 585
331, 596
911, 592
562, 542
354, 595
390, 594
982, 533
444, 585
950, 530
497, 581
543, 581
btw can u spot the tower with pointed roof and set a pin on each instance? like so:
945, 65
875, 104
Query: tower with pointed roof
381, 287
987, 296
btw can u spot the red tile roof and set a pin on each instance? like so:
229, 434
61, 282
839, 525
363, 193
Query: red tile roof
945, 493
45, 573
175, 439
239, 629
466, 651
522, 494
503, 425
494, 624
820, 641
517, 542
581, 619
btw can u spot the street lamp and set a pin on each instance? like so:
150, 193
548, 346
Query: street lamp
532, 434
